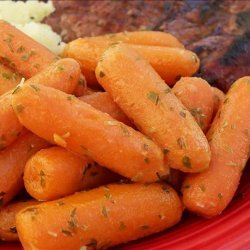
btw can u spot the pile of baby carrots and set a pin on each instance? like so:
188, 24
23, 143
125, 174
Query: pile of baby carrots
112, 140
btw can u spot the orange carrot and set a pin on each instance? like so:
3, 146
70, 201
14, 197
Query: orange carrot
155, 38
12, 162
63, 75
170, 63
103, 102
99, 218
21, 52
147, 100
55, 172
197, 96
209, 193
81, 88
8, 213
8, 79
219, 98
75, 125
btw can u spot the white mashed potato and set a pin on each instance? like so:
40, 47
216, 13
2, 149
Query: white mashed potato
26, 16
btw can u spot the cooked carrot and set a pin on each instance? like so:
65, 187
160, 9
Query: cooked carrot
103, 102
219, 98
209, 193
77, 126
8, 213
170, 63
8, 79
176, 178
148, 101
55, 172
155, 38
81, 88
197, 96
12, 162
21, 53
63, 75
99, 218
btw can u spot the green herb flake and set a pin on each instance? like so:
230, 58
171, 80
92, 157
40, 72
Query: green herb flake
42, 180
154, 97
8, 41
165, 151
92, 243
9, 76
19, 108
20, 49
183, 114
104, 212
82, 82
72, 223
60, 68
181, 143
26, 56
66, 232
167, 90
145, 146
220, 196
146, 160
186, 162
122, 226
60, 203
101, 74
34, 87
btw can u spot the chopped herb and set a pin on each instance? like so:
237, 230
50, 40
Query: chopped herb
60, 203
13, 230
183, 114
26, 56
220, 196
186, 162
70, 97
34, 87
93, 243
82, 81
20, 49
125, 130
60, 68
154, 97
198, 115
8, 41
226, 101
146, 160
42, 180
66, 232
16, 90
144, 227
19, 108
202, 187
145, 146
165, 151
181, 143
104, 212
36, 65
9, 76
167, 90
101, 74
122, 226
72, 223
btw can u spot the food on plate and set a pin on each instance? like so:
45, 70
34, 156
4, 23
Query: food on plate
54, 172
12, 162
219, 98
63, 74
99, 218
84, 130
103, 102
8, 213
170, 63
197, 96
147, 100
209, 193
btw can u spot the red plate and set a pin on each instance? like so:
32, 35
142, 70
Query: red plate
229, 231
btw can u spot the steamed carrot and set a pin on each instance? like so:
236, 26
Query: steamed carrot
170, 63
219, 98
197, 96
77, 126
99, 218
103, 102
8, 213
12, 162
148, 101
155, 38
55, 172
209, 193
81, 88
21, 53
8, 79
63, 75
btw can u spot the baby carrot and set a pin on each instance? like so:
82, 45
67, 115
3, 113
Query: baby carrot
170, 63
8, 79
21, 53
64, 75
155, 38
209, 193
103, 102
54, 172
8, 213
147, 100
197, 96
99, 218
86, 131
219, 98
12, 162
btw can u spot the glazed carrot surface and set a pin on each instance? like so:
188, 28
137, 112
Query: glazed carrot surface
114, 217
148, 101
22, 53
12, 162
64, 75
8, 213
197, 96
103, 102
155, 38
55, 172
8, 79
170, 63
210, 192
87, 131
219, 98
